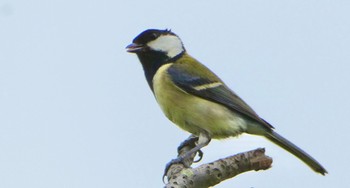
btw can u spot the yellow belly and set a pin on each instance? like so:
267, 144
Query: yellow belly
192, 113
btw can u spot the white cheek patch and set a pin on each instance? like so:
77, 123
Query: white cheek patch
170, 44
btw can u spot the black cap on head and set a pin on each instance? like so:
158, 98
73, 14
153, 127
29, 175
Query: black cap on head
150, 35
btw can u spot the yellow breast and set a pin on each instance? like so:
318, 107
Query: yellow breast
192, 113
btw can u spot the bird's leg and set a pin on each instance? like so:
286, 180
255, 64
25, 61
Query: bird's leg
202, 140
191, 143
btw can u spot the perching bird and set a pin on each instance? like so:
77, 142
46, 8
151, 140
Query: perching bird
196, 100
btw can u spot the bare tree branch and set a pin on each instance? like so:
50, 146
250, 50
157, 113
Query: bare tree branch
215, 172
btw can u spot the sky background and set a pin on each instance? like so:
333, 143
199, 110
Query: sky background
76, 111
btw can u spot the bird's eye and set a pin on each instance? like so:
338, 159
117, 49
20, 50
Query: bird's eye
154, 36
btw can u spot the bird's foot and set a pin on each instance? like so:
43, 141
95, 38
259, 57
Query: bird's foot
185, 154
190, 142
178, 160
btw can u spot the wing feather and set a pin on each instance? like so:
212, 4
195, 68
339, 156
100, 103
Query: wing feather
205, 84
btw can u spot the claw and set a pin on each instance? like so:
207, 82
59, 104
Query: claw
195, 144
200, 155
191, 142
178, 160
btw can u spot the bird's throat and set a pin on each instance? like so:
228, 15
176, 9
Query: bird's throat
151, 62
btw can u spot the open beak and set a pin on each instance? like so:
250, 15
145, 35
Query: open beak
134, 48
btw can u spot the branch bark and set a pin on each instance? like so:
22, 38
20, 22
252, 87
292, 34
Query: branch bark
207, 175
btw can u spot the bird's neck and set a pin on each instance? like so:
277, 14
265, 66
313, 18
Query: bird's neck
151, 62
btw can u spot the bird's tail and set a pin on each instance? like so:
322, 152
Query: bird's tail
295, 150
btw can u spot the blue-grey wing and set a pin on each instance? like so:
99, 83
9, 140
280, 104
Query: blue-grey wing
212, 89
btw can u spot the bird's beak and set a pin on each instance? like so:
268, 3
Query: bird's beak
134, 48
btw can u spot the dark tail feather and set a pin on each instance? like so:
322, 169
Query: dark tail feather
295, 150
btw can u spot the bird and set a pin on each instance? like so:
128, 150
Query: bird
197, 100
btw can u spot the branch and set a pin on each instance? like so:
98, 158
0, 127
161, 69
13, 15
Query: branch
215, 172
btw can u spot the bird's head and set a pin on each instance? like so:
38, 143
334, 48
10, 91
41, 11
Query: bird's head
154, 42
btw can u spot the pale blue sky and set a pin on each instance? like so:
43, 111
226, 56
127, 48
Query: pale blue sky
76, 111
